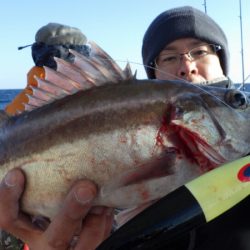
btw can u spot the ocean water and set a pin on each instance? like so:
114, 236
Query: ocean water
6, 95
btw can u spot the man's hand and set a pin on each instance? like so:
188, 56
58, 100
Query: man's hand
77, 225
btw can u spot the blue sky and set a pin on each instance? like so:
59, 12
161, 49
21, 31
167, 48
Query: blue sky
117, 26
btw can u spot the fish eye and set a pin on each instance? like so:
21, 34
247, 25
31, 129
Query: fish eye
237, 99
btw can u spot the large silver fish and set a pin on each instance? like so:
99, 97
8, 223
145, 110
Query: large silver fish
136, 139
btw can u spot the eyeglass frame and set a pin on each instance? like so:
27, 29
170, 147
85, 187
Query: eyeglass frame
215, 49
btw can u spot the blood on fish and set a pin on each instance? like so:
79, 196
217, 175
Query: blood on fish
123, 139
144, 194
192, 139
160, 135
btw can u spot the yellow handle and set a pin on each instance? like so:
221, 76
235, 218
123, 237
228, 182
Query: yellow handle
222, 188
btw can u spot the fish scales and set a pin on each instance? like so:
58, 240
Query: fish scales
53, 142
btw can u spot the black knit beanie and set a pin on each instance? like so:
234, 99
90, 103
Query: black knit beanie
182, 22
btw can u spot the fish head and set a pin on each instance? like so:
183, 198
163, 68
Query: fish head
213, 123
204, 128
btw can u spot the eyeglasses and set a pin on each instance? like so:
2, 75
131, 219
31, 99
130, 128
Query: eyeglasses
167, 60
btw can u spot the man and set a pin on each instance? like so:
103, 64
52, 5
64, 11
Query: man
180, 43
51, 40
184, 43
172, 47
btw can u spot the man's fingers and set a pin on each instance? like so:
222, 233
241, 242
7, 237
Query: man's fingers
11, 189
76, 207
109, 223
96, 228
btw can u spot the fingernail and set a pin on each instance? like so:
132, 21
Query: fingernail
84, 195
10, 179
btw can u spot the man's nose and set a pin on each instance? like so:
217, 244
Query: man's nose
187, 66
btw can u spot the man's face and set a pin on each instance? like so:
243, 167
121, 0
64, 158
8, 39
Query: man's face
189, 59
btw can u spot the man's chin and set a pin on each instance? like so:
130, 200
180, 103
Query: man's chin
196, 80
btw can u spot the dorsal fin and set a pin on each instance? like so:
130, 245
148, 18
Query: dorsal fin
84, 73
72, 72
128, 72
98, 53
92, 69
